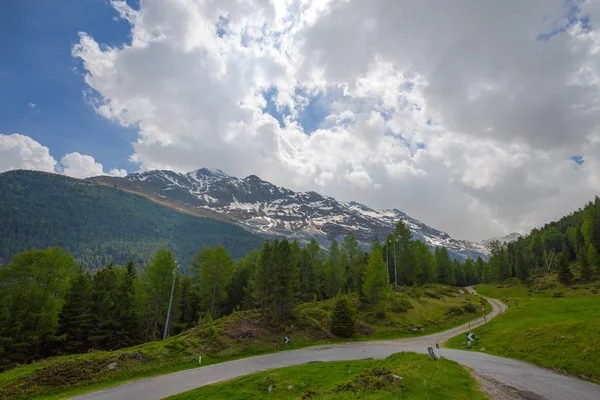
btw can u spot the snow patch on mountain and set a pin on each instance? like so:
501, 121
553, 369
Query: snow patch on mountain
262, 207
511, 237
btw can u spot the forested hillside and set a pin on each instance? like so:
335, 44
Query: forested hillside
99, 224
568, 246
55, 307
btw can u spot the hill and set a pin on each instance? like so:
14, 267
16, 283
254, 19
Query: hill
547, 323
99, 224
262, 207
411, 312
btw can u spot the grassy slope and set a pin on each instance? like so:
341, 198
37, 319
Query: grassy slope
562, 333
422, 379
238, 335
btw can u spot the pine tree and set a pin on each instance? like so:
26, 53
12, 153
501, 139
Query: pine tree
445, 273
375, 286
316, 271
260, 281
343, 320
537, 249
335, 278
76, 320
521, 265
565, 275
593, 259
238, 291
405, 266
189, 305
351, 254
128, 306
105, 303
285, 289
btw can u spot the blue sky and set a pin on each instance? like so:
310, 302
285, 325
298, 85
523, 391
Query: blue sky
36, 38
504, 115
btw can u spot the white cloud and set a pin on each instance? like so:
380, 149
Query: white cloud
22, 152
461, 116
117, 172
80, 166
31, 105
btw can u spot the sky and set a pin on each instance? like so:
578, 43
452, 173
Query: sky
477, 118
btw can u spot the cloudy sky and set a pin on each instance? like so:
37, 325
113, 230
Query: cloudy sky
478, 118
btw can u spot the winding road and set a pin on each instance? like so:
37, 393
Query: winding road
520, 375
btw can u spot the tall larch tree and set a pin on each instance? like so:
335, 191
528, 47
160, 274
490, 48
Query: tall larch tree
375, 287
215, 274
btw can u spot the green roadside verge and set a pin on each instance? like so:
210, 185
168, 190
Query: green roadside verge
345, 380
547, 324
412, 312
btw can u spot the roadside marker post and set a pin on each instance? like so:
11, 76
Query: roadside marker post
437, 351
286, 340
431, 353
199, 359
470, 339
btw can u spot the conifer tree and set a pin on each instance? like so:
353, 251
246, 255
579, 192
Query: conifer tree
158, 278
215, 274
565, 275
285, 288
343, 320
593, 259
445, 272
405, 266
335, 278
351, 255
128, 308
375, 286
76, 320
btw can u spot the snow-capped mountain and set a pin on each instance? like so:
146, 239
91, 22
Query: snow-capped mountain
262, 207
511, 237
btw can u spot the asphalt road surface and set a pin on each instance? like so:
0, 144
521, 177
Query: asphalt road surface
520, 375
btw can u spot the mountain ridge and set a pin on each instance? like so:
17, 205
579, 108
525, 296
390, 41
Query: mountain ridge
262, 207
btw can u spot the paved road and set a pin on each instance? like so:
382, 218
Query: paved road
518, 374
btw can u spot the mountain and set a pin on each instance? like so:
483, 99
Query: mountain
264, 208
99, 224
511, 237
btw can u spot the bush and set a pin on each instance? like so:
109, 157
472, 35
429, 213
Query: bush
431, 294
469, 308
400, 304
343, 320
558, 295
455, 311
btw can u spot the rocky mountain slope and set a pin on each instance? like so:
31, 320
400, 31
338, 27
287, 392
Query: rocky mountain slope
511, 237
262, 207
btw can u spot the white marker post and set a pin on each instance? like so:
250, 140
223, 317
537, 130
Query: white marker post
199, 359
437, 351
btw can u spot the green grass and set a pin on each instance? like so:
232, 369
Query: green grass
239, 335
546, 324
422, 379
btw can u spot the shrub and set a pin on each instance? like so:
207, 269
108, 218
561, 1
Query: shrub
431, 294
343, 320
558, 295
469, 308
400, 304
372, 379
455, 311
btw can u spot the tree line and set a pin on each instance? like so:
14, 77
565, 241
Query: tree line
52, 306
568, 247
